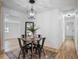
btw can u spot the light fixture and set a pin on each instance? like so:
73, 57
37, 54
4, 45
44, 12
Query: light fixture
32, 1
31, 12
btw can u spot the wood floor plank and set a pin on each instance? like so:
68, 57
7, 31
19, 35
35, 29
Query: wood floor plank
67, 50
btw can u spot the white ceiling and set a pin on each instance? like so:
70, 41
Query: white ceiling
41, 5
16, 9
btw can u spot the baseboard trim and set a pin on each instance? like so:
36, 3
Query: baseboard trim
50, 49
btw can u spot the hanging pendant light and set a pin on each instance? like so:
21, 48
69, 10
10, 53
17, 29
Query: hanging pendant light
31, 12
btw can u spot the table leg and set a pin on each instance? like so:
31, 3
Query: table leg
32, 51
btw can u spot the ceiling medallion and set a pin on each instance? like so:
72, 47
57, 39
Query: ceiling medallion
32, 1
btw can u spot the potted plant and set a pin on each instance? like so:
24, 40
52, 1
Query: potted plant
32, 29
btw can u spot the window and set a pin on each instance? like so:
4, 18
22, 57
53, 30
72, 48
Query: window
6, 29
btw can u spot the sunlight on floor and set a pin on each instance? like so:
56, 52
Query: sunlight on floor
11, 44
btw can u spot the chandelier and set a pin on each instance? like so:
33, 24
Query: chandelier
31, 12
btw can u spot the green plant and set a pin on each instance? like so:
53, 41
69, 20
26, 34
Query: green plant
32, 29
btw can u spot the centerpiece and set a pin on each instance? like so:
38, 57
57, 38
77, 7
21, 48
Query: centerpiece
32, 30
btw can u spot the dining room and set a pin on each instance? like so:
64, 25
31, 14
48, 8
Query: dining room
39, 29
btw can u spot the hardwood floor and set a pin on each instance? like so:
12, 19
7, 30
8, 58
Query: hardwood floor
4, 56
10, 44
67, 50
65, 47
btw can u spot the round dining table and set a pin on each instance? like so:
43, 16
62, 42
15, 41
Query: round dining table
32, 40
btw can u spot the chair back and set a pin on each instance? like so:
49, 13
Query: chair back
39, 36
43, 40
23, 36
20, 43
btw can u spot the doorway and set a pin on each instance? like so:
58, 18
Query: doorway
11, 33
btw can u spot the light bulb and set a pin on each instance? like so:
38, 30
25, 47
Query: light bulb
32, 14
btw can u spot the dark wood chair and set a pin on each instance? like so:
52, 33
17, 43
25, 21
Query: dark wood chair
40, 47
23, 48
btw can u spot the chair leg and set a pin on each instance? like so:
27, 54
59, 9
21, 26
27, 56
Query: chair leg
39, 55
19, 54
23, 55
39, 52
43, 51
36, 51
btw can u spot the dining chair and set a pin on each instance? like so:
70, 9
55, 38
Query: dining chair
28, 46
40, 47
23, 48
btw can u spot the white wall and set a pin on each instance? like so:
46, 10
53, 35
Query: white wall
76, 31
50, 24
